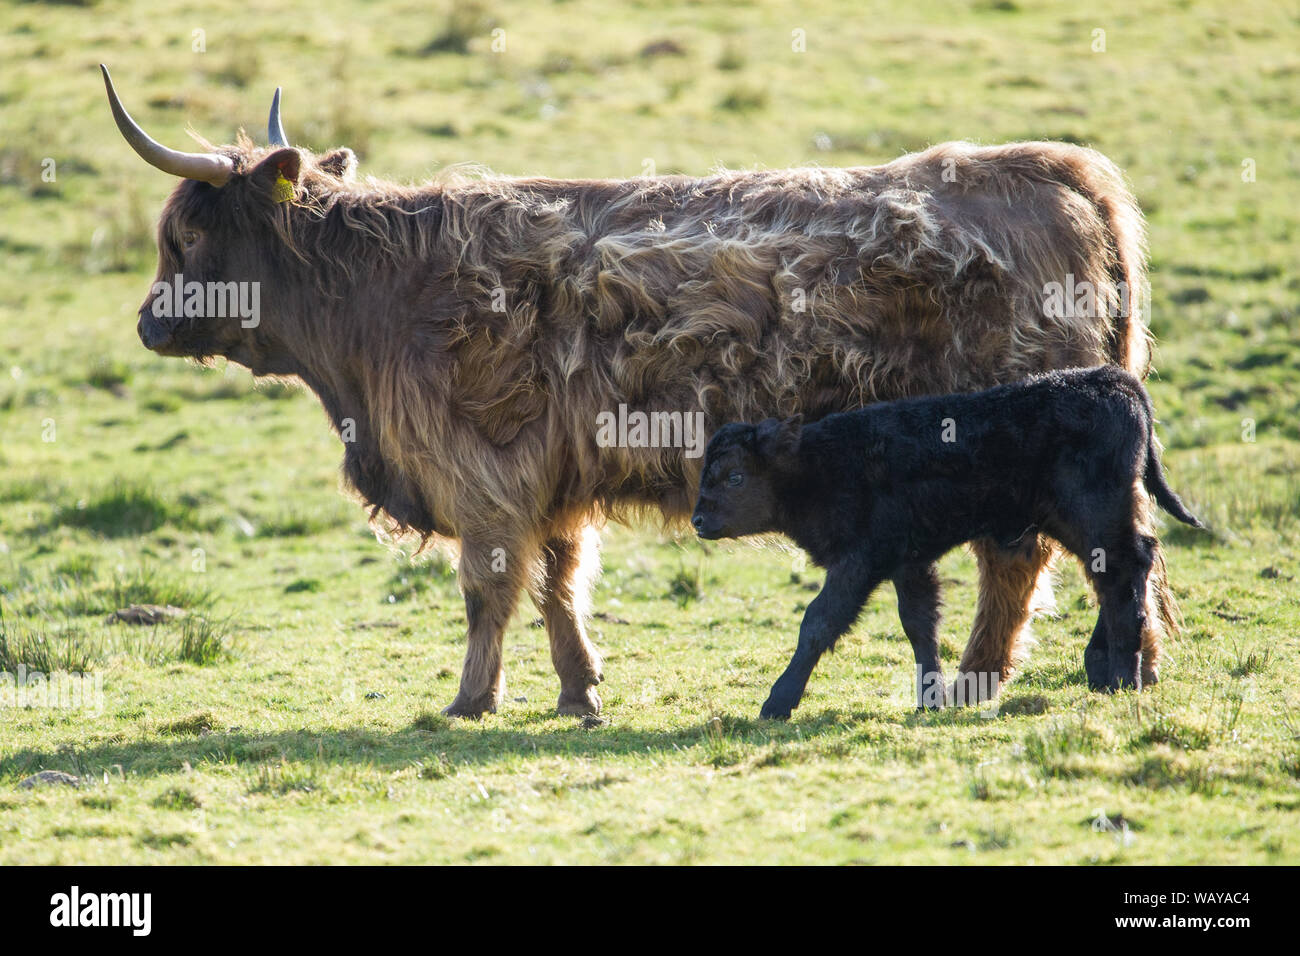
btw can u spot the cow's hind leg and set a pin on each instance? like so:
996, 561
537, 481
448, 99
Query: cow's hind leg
1010, 580
1163, 618
917, 587
570, 565
491, 578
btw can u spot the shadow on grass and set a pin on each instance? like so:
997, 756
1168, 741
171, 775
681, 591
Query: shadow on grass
459, 743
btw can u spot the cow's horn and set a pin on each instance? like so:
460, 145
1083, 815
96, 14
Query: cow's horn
205, 167
274, 128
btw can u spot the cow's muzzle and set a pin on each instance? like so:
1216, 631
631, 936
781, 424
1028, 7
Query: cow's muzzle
155, 335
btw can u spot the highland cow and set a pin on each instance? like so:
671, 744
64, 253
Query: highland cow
882, 493
467, 336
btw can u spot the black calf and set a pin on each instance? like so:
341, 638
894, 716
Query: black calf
884, 492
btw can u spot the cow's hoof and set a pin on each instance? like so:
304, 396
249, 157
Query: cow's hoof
583, 704
470, 710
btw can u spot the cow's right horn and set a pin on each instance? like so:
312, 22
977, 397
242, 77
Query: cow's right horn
274, 128
205, 167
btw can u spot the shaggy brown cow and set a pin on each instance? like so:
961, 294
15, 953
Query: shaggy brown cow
465, 336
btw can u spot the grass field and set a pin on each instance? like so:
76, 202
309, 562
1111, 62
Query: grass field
293, 714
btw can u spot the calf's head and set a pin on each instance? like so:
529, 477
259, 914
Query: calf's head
746, 468
225, 243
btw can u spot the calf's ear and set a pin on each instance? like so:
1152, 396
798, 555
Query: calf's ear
278, 173
779, 439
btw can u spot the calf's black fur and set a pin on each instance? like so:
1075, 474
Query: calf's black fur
884, 492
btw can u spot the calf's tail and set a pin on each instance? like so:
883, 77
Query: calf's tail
1154, 479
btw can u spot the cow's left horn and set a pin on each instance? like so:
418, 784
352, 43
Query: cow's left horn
274, 128
205, 167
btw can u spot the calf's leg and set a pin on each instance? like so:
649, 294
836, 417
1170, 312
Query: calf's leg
848, 585
917, 587
1122, 592
570, 563
1096, 657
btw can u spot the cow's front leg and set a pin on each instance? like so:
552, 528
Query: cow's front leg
848, 585
491, 578
570, 562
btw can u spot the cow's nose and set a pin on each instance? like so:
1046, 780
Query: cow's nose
697, 521
152, 332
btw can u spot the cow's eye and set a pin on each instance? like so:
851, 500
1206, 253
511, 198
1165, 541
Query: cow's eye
188, 238
735, 479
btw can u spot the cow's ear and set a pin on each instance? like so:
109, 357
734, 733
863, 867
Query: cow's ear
779, 439
278, 173
341, 162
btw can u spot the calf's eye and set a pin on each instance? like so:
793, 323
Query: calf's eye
189, 237
735, 479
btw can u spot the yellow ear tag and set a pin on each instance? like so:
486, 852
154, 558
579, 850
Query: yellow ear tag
282, 189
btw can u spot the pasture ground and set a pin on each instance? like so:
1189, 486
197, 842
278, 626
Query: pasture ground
293, 716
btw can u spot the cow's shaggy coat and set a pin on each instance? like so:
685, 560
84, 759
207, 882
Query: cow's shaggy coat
466, 334
884, 492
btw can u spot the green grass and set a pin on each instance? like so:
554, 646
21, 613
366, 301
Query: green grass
125, 510
293, 714
32, 646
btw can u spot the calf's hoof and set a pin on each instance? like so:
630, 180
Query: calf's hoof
584, 703
773, 710
1150, 676
933, 696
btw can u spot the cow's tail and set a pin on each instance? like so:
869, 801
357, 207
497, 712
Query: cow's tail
1131, 336
1099, 181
